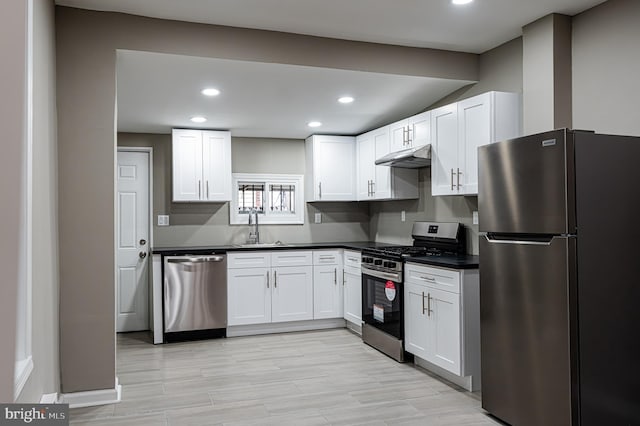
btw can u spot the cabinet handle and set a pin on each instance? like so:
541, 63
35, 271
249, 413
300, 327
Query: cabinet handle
423, 303
373, 188
343, 278
207, 189
199, 190
409, 139
459, 173
368, 188
335, 276
275, 279
427, 278
319, 189
267, 279
452, 179
429, 304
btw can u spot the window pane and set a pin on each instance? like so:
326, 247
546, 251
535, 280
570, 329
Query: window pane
283, 198
250, 196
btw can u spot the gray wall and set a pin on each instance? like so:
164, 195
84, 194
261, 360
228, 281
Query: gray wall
207, 224
606, 66
13, 31
86, 43
45, 376
500, 69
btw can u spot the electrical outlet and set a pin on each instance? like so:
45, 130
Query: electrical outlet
163, 220
475, 217
403, 216
318, 218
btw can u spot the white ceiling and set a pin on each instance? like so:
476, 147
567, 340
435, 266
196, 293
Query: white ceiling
475, 28
158, 92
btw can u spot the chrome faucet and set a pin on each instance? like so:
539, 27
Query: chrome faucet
254, 234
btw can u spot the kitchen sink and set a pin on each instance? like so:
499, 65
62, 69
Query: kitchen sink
258, 245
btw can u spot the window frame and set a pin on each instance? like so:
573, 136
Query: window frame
268, 217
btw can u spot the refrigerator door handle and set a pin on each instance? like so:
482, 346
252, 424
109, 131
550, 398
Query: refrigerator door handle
544, 241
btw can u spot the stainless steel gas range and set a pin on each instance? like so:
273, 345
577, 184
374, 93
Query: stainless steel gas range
382, 282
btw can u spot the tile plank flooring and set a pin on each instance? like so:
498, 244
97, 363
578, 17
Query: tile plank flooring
313, 378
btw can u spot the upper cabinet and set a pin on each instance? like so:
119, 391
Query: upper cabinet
411, 132
382, 182
201, 165
331, 175
457, 130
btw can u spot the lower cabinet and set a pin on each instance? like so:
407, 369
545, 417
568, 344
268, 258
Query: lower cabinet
442, 319
327, 291
353, 295
257, 294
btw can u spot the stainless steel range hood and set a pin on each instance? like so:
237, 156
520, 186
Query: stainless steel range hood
412, 158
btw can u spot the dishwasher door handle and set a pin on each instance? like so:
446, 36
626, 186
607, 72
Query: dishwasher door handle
201, 259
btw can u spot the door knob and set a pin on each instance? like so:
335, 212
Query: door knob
143, 242
142, 254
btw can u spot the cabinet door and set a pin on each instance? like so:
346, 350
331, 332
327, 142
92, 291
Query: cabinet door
366, 165
334, 161
420, 129
417, 325
474, 130
445, 350
444, 144
249, 296
187, 165
216, 166
398, 136
352, 284
292, 294
327, 292
382, 180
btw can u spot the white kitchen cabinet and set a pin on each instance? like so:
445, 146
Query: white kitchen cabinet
457, 130
249, 296
442, 315
327, 284
330, 168
292, 294
265, 287
382, 182
201, 165
411, 132
352, 287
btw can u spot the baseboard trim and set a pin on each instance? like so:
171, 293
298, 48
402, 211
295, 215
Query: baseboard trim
465, 382
50, 398
92, 398
354, 328
284, 327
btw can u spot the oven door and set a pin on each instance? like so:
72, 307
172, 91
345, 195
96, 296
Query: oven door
382, 302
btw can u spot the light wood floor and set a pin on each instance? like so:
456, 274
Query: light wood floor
312, 378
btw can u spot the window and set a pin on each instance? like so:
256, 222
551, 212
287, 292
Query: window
276, 198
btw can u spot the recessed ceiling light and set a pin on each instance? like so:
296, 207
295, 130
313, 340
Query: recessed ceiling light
198, 119
345, 100
314, 124
210, 92
461, 1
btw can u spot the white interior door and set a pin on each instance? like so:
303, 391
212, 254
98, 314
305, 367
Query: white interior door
132, 241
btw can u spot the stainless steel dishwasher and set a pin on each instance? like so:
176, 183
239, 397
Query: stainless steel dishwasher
195, 296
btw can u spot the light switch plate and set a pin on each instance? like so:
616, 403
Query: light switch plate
163, 220
475, 217
318, 218
403, 216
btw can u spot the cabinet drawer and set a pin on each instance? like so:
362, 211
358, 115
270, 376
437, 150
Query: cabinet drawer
444, 279
291, 258
326, 257
352, 258
249, 259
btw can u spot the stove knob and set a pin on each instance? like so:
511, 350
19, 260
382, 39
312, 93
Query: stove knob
377, 262
367, 260
391, 265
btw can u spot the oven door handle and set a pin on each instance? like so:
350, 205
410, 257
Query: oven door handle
383, 275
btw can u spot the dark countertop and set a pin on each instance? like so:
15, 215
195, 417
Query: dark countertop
467, 261
352, 245
454, 262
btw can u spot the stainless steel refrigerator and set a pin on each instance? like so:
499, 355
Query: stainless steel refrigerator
560, 279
